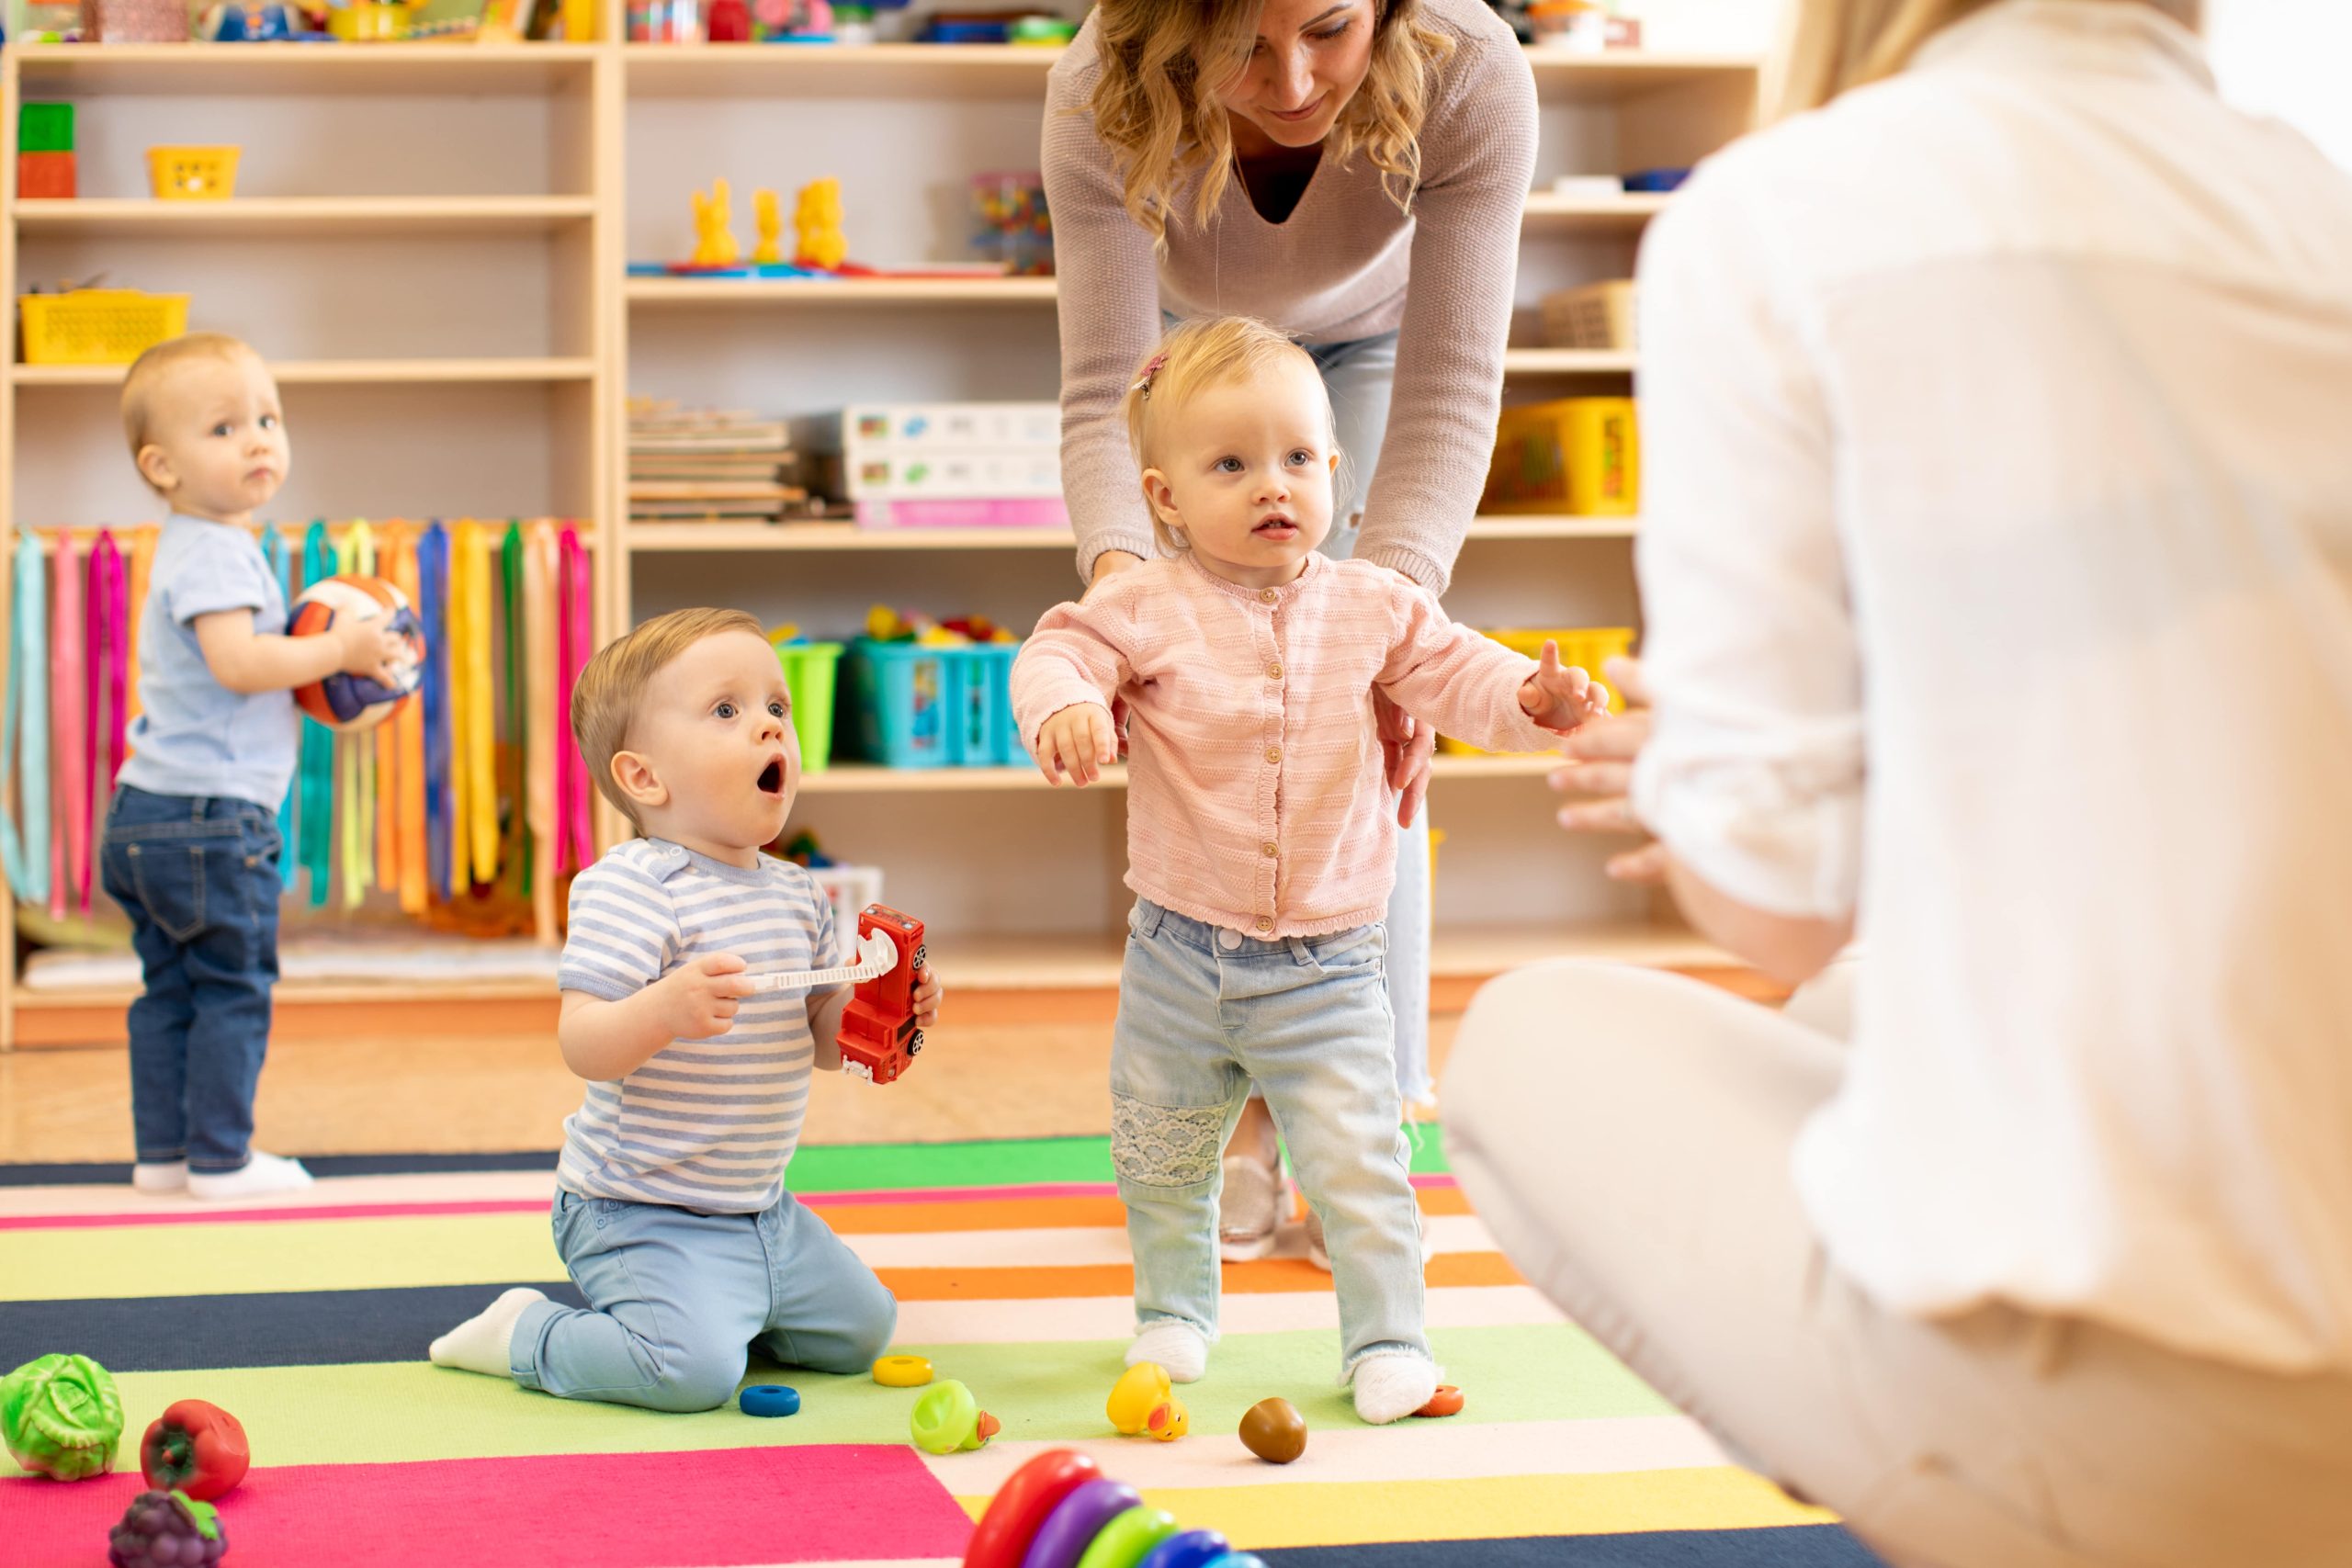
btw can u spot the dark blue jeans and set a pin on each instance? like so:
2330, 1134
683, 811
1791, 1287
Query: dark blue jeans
199, 878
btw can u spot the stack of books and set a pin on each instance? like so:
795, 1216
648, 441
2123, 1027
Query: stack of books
710, 465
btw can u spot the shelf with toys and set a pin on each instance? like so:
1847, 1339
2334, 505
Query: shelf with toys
753, 537
303, 70
278, 218
344, 372
849, 292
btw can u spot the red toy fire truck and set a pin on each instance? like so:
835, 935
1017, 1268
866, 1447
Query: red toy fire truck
878, 1038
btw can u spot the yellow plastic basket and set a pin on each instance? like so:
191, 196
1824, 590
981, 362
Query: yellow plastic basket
1586, 647
99, 326
192, 174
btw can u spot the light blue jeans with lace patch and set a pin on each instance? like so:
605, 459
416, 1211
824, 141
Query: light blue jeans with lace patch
1202, 1013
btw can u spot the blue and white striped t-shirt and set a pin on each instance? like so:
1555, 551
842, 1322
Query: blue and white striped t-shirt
704, 1125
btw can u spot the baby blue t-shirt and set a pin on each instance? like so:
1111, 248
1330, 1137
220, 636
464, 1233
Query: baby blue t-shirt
194, 736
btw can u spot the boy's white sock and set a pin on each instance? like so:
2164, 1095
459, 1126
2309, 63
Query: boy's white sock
1177, 1346
1390, 1387
262, 1174
484, 1342
160, 1176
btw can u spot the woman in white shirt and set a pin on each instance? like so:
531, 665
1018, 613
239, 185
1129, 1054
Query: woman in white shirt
1997, 568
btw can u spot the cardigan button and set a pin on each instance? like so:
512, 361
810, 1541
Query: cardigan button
1273, 753
1270, 849
1268, 594
1265, 922
1273, 672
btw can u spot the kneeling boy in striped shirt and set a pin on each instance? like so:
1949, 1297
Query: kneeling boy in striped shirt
670, 1210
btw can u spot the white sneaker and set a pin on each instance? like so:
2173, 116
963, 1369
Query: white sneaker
1249, 1209
260, 1175
160, 1176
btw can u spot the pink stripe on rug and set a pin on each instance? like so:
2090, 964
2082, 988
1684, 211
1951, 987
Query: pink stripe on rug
715, 1507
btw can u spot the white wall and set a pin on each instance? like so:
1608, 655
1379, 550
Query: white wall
2288, 57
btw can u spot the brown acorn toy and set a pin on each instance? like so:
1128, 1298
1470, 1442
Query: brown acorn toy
1274, 1430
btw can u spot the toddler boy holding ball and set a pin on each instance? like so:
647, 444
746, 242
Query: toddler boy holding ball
191, 843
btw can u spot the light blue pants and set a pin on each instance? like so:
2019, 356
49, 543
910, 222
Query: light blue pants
678, 1300
1360, 376
1202, 1013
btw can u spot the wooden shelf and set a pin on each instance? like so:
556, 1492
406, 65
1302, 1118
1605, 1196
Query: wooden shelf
871, 778
728, 293
290, 217
1548, 213
1576, 76
342, 372
833, 70
1568, 362
304, 70
710, 538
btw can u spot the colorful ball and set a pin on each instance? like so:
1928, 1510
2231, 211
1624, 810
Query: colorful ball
352, 702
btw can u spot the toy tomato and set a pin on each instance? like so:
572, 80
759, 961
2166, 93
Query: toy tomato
195, 1447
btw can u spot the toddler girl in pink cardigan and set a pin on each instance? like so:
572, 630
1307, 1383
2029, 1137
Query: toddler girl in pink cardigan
1261, 834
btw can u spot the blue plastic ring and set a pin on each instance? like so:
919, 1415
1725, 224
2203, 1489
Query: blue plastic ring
770, 1399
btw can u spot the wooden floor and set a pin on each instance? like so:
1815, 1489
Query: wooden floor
501, 1091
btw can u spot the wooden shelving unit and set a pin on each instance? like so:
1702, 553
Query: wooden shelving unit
582, 163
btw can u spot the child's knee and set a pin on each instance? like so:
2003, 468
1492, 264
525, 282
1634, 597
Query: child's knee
698, 1377
1172, 1146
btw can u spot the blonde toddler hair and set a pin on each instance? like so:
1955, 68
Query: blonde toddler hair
1163, 61
605, 701
147, 373
1206, 352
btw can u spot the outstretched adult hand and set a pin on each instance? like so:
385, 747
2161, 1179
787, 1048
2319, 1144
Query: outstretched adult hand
1601, 768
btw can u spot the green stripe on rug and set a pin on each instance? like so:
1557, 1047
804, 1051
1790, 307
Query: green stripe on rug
1047, 1393
859, 1167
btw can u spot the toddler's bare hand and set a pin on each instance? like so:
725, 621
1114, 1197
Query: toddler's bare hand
927, 993
1077, 744
370, 648
704, 994
1562, 696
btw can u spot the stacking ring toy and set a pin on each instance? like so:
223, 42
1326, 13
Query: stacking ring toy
947, 1418
1022, 1503
1124, 1541
769, 1399
1446, 1401
903, 1372
1071, 1527
1236, 1559
1193, 1548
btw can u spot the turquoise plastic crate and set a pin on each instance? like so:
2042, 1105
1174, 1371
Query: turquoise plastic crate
989, 735
906, 702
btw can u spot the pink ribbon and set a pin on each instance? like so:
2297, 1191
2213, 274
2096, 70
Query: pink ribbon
69, 845
576, 833
109, 672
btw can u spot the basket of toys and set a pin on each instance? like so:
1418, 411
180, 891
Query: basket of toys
192, 174
99, 326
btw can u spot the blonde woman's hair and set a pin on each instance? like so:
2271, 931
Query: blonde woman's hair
605, 701
1829, 47
1155, 104
147, 372
1206, 352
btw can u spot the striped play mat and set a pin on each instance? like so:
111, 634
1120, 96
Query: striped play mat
309, 1319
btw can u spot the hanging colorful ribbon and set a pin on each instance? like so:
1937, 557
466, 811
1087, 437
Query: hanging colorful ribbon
480, 760
545, 752
386, 785
280, 557
143, 563
314, 818
355, 760
109, 670
515, 854
459, 778
24, 855
578, 827
69, 854
433, 575
409, 727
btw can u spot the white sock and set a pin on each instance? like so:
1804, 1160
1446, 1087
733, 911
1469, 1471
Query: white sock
483, 1342
1390, 1387
1177, 1346
160, 1176
262, 1174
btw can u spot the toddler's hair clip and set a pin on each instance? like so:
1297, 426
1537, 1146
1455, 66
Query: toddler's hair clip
1143, 382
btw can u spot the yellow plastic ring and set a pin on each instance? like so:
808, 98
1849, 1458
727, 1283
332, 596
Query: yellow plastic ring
903, 1372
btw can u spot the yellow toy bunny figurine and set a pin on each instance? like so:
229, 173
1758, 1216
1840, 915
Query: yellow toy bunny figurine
714, 239
768, 213
817, 225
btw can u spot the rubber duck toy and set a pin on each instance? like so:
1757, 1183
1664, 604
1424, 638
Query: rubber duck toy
1143, 1404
